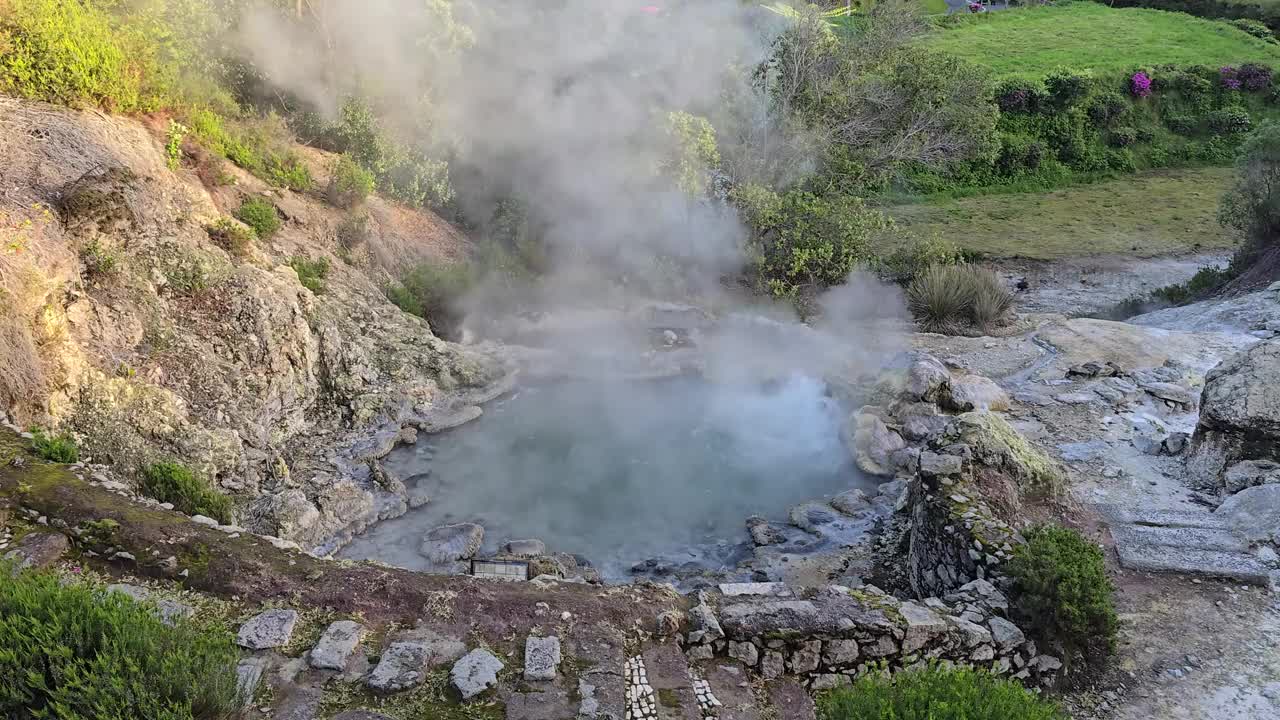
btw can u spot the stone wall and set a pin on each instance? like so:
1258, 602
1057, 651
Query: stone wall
833, 635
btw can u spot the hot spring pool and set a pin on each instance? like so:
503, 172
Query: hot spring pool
620, 473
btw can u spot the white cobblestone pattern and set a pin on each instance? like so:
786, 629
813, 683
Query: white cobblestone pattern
642, 701
707, 701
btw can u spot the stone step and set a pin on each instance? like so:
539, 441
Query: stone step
790, 701
1194, 538
730, 686
664, 679
1216, 563
1162, 518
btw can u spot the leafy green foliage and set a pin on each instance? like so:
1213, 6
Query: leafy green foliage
73, 652
807, 241
56, 448
950, 299
311, 273
430, 291
260, 214
350, 183
935, 693
1253, 27
1252, 206
1229, 120
98, 259
1062, 592
232, 236
175, 483
1067, 87
694, 154
173, 143
259, 147
1202, 285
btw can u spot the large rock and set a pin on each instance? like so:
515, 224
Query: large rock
38, 549
541, 657
334, 648
874, 445
450, 543
1254, 513
762, 533
994, 443
475, 672
1239, 414
405, 662
270, 629
1248, 473
974, 392
927, 379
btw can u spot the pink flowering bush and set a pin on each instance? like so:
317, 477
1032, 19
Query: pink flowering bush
1230, 77
1140, 84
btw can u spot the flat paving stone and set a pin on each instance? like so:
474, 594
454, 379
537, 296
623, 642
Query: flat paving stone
790, 701
667, 669
731, 685
549, 704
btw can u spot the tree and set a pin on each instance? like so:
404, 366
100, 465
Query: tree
1252, 206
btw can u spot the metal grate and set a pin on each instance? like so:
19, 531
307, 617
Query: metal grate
500, 569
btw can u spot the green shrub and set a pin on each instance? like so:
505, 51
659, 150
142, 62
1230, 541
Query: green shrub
1122, 137
1017, 95
175, 483
1106, 107
950, 299
232, 236
97, 259
1253, 27
173, 143
258, 213
815, 242
73, 652
311, 273
350, 183
259, 147
66, 52
935, 693
1067, 87
430, 291
59, 448
1062, 592
1182, 124
1230, 120
906, 261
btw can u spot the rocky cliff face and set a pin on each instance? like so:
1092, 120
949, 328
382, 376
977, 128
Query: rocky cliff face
125, 323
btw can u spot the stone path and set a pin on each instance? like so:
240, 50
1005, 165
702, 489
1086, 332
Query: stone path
1189, 542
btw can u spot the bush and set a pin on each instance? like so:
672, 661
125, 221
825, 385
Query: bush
1062, 592
1254, 77
97, 259
258, 213
350, 183
59, 448
935, 693
1252, 206
311, 273
72, 652
430, 291
65, 51
1254, 28
1230, 120
949, 299
1182, 124
905, 262
232, 236
1067, 87
259, 147
175, 483
815, 242
1106, 107
1122, 137
1020, 96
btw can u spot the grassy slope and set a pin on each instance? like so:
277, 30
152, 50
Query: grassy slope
1151, 214
1033, 41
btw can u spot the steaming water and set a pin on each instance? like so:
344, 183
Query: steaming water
620, 474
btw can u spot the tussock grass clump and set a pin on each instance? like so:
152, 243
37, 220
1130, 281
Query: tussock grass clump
1061, 591
951, 299
74, 652
935, 693
175, 483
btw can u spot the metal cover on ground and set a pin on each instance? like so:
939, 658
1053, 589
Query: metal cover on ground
500, 569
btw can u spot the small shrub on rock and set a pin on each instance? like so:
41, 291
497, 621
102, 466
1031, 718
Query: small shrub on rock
98, 259
350, 183
1062, 591
175, 483
311, 273
951, 298
73, 652
59, 448
259, 214
935, 693
233, 237
430, 292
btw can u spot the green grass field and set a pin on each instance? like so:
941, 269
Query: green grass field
1033, 41
1157, 213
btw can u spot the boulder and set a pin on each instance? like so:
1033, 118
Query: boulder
1005, 634
812, 515
541, 657
934, 465
705, 626
851, 502
927, 379
874, 445
762, 533
1172, 394
38, 549
475, 672
334, 648
1254, 513
991, 441
270, 629
974, 392
526, 548
1249, 473
403, 665
451, 543
1239, 414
